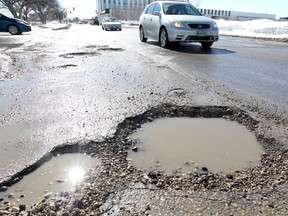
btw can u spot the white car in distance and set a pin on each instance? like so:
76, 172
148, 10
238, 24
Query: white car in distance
111, 23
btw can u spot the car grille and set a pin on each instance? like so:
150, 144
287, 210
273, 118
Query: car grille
199, 26
200, 38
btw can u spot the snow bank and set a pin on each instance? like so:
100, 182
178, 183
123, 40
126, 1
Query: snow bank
255, 28
55, 25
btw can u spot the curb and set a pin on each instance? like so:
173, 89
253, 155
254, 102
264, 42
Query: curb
282, 40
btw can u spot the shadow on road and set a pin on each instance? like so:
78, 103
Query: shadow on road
194, 48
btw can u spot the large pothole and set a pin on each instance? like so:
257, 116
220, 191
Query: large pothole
194, 144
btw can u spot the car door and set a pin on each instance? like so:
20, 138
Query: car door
155, 20
148, 20
3, 23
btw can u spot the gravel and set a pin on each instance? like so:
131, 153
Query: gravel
118, 188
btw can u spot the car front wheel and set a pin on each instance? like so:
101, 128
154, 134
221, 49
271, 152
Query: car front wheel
163, 39
206, 45
141, 34
13, 30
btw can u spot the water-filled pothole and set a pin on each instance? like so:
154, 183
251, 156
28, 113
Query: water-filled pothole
60, 174
194, 144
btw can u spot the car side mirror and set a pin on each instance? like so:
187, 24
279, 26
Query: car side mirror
156, 13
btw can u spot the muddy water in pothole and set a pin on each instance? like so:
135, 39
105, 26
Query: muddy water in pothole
60, 174
190, 144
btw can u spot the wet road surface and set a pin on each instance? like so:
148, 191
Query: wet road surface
71, 86
77, 84
249, 66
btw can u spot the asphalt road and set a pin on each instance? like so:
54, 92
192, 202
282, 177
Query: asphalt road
257, 68
75, 85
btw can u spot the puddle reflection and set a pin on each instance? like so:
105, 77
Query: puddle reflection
60, 174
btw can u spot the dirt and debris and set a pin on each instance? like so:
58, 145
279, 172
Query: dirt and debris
121, 189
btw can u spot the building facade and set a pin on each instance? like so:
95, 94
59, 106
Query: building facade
122, 9
132, 9
235, 15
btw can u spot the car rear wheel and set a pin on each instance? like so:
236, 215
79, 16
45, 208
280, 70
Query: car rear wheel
141, 34
13, 30
163, 39
206, 44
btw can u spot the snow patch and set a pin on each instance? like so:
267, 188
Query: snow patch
55, 25
255, 28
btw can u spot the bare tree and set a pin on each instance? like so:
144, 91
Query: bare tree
16, 7
58, 13
25, 12
43, 8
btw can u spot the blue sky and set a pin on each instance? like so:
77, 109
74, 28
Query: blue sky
278, 7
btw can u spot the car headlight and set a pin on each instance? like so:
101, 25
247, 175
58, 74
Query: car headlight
214, 25
177, 24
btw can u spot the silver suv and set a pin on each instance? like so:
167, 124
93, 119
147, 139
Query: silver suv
174, 22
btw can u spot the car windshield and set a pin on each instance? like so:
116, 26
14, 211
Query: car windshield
111, 19
176, 9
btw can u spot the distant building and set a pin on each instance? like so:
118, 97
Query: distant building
122, 9
283, 18
235, 15
132, 9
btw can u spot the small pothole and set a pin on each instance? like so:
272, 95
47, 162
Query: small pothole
194, 144
94, 51
104, 48
177, 91
67, 65
71, 55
